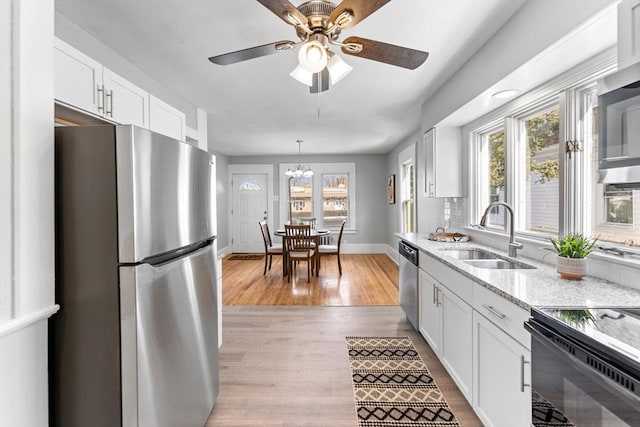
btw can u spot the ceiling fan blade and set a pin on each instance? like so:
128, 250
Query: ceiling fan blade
387, 53
252, 52
360, 9
320, 81
284, 8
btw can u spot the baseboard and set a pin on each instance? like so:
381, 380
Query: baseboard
223, 252
363, 248
351, 248
393, 253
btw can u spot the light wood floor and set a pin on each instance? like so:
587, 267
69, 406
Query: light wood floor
366, 280
288, 366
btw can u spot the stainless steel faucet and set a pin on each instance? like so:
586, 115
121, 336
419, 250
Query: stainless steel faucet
513, 245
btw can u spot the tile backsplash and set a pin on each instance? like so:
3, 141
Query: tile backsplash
454, 217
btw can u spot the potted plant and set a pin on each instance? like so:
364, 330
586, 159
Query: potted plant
572, 250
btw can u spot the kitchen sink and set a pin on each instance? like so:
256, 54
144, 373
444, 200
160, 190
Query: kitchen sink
472, 253
498, 264
482, 258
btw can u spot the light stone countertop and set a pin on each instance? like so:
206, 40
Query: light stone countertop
540, 287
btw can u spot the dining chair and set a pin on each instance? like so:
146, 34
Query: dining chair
299, 247
270, 249
332, 249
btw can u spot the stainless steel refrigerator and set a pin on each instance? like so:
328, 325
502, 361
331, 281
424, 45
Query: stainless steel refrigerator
135, 341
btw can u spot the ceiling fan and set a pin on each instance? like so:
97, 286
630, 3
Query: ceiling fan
318, 25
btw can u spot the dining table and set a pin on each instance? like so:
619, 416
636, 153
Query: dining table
315, 235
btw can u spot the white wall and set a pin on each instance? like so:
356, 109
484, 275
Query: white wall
27, 213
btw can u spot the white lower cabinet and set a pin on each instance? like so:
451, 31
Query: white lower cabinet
480, 339
445, 323
501, 376
457, 341
430, 316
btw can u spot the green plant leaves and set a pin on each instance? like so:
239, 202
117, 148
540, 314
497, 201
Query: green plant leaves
574, 245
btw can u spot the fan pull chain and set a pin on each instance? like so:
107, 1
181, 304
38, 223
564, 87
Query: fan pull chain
319, 93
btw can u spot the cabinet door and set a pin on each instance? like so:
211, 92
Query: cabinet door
78, 79
501, 390
125, 103
430, 323
443, 160
628, 33
457, 339
165, 119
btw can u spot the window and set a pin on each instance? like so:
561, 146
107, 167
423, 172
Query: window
406, 194
618, 205
328, 196
335, 199
541, 172
539, 153
301, 198
492, 183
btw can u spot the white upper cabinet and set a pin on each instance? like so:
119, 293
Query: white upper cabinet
124, 102
166, 120
84, 84
628, 33
78, 79
442, 162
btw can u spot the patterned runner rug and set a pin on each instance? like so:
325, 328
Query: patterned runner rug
392, 386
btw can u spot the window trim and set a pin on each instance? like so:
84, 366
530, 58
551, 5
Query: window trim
319, 169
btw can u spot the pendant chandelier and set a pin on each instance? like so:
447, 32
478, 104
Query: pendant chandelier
300, 169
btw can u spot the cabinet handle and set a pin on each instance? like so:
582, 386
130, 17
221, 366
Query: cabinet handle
522, 383
437, 296
100, 98
109, 96
434, 294
494, 311
431, 184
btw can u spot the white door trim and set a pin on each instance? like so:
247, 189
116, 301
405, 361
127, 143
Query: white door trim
250, 169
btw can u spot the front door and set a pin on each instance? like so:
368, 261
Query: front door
249, 208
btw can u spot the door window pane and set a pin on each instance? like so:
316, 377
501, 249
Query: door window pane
335, 199
542, 172
301, 199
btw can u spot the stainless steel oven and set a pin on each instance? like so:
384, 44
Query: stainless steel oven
585, 366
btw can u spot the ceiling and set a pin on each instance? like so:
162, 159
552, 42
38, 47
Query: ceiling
254, 107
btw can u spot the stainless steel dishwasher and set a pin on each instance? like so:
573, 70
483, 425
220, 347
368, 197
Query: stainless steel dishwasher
408, 283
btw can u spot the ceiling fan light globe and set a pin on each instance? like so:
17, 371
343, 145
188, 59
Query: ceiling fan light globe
302, 75
338, 69
312, 56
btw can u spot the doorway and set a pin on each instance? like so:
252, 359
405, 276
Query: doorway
250, 195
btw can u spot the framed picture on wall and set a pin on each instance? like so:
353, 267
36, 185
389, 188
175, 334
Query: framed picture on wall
391, 189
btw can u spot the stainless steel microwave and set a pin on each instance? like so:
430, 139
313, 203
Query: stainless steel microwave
619, 127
